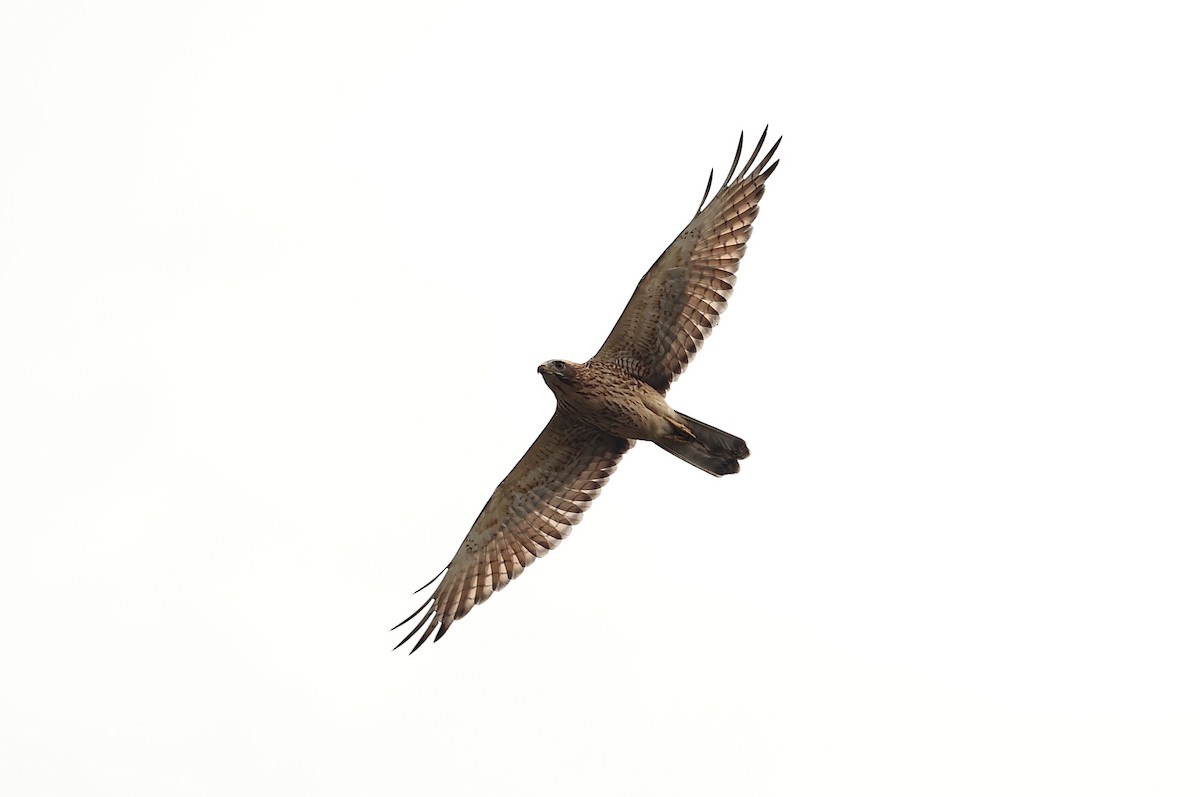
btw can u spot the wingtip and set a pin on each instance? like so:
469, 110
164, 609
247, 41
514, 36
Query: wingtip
414, 614
430, 581
767, 159
707, 188
737, 157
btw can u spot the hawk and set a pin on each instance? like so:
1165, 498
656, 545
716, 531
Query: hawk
610, 401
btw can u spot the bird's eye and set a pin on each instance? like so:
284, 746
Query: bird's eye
557, 365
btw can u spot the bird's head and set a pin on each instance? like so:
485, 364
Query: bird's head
558, 373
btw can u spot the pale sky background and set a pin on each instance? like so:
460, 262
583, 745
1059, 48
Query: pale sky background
274, 281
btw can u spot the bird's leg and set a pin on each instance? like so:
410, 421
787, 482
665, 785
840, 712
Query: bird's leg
682, 432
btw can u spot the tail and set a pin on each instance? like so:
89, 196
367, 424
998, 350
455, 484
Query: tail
711, 450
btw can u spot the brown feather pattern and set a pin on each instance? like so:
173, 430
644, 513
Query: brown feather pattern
529, 513
674, 308
680, 299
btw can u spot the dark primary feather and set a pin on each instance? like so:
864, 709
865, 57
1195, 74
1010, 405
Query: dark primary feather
680, 299
529, 513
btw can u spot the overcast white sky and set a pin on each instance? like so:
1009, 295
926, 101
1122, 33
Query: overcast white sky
275, 278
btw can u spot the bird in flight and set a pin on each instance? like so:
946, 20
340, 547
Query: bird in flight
610, 401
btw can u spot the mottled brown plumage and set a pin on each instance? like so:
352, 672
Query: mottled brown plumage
607, 403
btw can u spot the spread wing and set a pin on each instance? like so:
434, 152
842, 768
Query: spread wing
681, 297
529, 513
